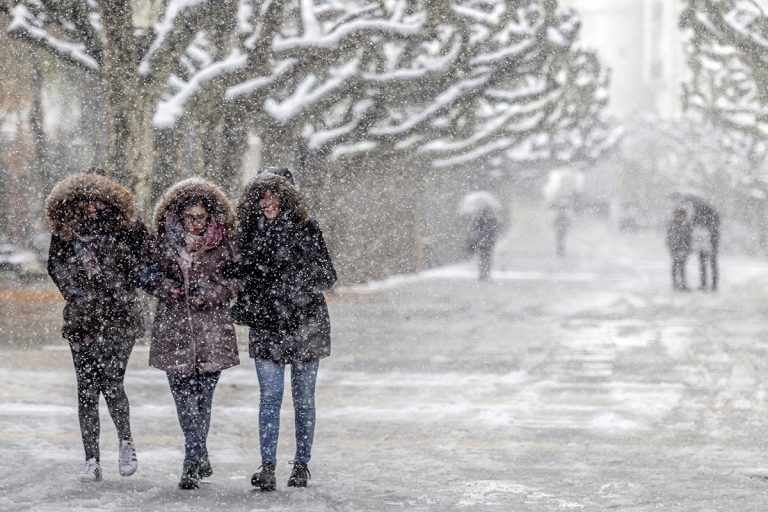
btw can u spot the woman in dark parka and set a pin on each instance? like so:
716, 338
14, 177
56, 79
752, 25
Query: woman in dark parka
96, 237
193, 338
285, 267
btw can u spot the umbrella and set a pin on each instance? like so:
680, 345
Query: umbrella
704, 213
563, 185
475, 202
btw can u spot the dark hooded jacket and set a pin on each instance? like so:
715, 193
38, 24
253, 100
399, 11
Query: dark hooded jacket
485, 230
285, 267
94, 261
707, 216
189, 337
679, 233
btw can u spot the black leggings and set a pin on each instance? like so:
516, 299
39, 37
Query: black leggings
100, 368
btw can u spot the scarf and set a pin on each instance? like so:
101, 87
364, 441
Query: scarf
189, 247
85, 248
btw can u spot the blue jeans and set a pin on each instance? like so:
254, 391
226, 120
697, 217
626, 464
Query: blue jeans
194, 397
271, 384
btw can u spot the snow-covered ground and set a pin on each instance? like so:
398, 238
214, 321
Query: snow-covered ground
575, 384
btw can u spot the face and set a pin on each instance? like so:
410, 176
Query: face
270, 205
195, 219
89, 208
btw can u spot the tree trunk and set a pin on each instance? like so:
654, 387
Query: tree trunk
234, 143
129, 104
167, 166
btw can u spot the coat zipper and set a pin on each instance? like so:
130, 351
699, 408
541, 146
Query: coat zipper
193, 343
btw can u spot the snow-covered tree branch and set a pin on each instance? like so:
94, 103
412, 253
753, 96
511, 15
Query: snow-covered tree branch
450, 80
728, 53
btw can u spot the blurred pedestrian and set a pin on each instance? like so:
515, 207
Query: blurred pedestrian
285, 268
283, 172
562, 225
482, 239
701, 244
96, 237
679, 245
193, 338
706, 216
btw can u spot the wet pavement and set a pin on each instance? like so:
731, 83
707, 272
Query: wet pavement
575, 384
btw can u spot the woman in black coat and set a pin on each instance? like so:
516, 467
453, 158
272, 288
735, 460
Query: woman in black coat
96, 237
285, 268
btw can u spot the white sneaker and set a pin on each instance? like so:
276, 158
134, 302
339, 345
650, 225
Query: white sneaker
91, 471
126, 460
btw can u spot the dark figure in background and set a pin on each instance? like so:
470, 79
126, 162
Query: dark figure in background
705, 215
283, 172
679, 245
285, 268
482, 239
193, 337
701, 244
93, 261
562, 225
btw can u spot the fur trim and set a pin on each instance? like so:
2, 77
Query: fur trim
60, 203
195, 187
248, 208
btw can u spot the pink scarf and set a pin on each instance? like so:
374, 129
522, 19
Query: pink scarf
192, 246
214, 234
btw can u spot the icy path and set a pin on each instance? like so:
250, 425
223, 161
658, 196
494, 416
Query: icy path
577, 385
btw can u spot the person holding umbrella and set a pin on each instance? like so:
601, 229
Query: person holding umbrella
482, 207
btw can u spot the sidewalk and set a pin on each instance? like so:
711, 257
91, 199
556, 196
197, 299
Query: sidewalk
577, 384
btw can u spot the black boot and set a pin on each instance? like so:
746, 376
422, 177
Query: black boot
265, 479
300, 475
189, 476
204, 469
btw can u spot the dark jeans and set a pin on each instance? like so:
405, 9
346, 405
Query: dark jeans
710, 258
100, 369
678, 273
193, 395
484, 254
271, 384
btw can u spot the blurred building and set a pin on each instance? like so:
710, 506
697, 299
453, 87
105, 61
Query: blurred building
641, 42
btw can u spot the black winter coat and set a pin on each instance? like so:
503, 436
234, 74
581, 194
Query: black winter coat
679, 237
285, 267
106, 305
485, 230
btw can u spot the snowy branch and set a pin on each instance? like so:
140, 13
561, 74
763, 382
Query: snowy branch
307, 93
170, 111
25, 26
260, 83
178, 27
344, 32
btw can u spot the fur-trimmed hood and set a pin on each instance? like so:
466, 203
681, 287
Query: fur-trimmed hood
60, 203
222, 208
292, 205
